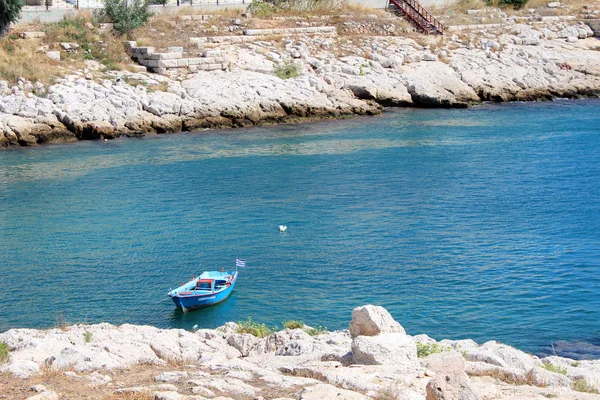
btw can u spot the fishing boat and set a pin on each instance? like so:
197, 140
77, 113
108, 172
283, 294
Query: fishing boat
211, 287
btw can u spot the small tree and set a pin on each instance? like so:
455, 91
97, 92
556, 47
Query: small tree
126, 15
9, 12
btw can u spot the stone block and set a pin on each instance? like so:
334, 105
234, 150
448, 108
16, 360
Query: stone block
194, 61
212, 53
182, 62
167, 63
164, 56
210, 67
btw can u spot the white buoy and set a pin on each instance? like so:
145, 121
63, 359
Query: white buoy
195, 327
282, 228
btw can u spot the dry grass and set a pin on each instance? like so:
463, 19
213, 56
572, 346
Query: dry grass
26, 57
144, 395
19, 58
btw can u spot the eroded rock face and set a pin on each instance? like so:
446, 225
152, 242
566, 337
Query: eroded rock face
372, 320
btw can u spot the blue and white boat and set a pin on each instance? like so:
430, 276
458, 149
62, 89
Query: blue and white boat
211, 287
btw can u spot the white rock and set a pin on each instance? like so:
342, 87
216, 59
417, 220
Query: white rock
325, 391
395, 349
171, 376
168, 395
370, 320
21, 368
53, 55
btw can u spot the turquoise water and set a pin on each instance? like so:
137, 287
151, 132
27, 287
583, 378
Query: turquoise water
480, 223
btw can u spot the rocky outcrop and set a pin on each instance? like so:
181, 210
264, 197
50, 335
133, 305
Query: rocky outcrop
337, 76
288, 364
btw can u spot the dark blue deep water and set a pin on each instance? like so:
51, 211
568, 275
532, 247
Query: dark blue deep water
481, 223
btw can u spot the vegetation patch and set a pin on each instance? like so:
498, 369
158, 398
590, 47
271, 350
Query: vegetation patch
314, 331
3, 352
581, 385
87, 336
293, 324
287, 71
77, 38
260, 330
126, 15
425, 349
555, 368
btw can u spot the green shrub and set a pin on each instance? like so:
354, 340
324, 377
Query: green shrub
292, 324
316, 330
254, 328
517, 4
87, 336
581, 385
262, 9
555, 368
9, 12
287, 71
125, 15
425, 349
3, 352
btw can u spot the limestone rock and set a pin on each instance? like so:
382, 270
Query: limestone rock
372, 320
21, 368
446, 362
395, 349
502, 355
450, 387
325, 391
171, 376
45, 395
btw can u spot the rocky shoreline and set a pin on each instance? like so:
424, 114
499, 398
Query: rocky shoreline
338, 76
373, 359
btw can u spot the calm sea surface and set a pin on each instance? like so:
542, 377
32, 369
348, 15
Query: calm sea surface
481, 223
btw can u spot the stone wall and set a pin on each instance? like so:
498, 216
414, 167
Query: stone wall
173, 58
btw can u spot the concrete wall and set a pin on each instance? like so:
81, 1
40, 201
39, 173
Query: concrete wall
56, 14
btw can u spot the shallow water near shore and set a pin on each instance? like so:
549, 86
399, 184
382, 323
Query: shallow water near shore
479, 223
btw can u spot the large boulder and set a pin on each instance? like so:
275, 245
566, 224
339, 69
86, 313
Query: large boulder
394, 349
370, 320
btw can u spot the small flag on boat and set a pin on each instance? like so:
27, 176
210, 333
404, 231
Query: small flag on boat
240, 263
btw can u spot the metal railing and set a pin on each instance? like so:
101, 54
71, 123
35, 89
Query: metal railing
419, 15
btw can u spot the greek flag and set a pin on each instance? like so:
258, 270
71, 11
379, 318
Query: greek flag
240, 263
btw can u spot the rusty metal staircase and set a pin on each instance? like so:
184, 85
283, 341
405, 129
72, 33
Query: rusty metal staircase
419, 16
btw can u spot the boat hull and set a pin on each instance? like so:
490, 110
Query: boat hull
189, 300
